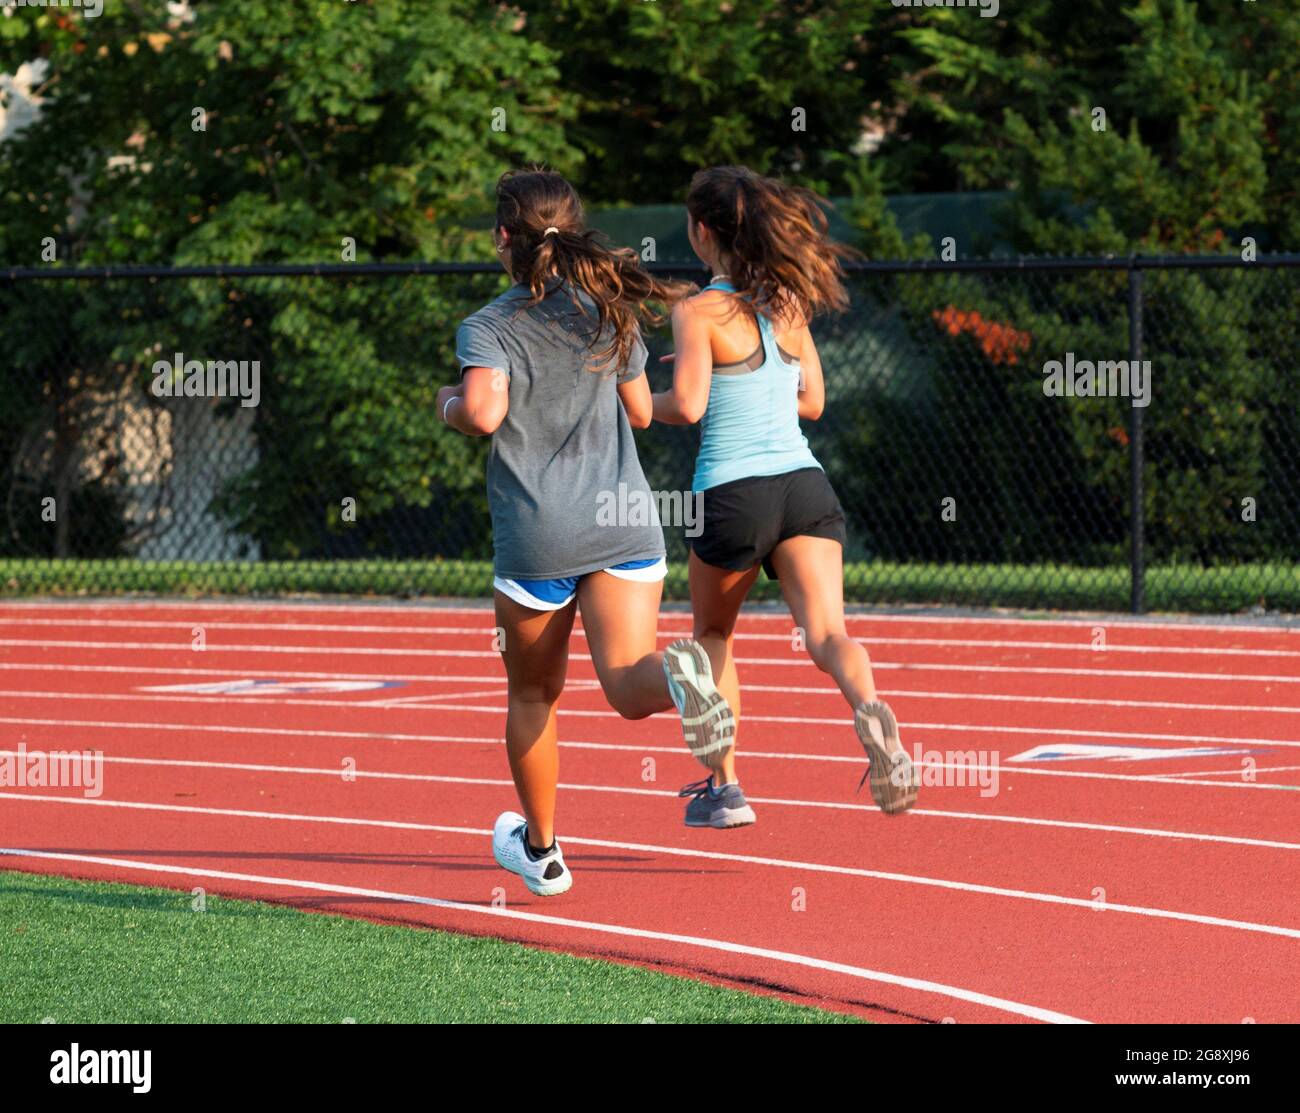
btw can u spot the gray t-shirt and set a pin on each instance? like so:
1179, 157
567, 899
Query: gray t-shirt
564, 484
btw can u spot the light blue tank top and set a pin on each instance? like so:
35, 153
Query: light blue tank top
751, 424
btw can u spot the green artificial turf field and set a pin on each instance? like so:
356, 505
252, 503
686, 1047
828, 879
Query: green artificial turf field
78, 951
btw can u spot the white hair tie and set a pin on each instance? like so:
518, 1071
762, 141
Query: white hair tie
551, 229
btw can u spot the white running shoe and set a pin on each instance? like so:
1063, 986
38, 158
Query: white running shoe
707, 722
546, 876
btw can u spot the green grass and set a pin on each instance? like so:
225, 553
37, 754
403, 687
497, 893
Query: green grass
1169, 588
94, 952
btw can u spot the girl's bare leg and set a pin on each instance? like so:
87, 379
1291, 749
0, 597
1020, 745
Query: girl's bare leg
536, 656
621, 619
812, 581
717, 595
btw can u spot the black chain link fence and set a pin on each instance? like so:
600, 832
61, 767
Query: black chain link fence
272, 430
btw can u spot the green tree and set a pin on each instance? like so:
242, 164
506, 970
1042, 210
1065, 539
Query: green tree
782, 86
257, 132
1153, 134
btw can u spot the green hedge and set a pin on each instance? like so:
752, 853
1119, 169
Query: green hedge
1217, 590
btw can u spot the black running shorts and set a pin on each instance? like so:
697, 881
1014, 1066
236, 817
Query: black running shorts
746, 519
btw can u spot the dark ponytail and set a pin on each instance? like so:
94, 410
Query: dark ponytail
549, 239
780, 256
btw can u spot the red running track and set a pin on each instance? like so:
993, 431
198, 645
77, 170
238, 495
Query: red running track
1151, 878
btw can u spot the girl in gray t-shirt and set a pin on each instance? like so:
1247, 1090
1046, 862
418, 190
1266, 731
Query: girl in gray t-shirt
554, 371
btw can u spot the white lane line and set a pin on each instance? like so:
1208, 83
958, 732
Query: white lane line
1238, 772
498, 691
879, 666
958, 728
484, 654
899, 694
980, 643
501, 690
485, 608
807, 720
1143, 674
487, 632
683, 852
1032, 1012
211, 647
236, 672
666, 794
227, 701
636, 748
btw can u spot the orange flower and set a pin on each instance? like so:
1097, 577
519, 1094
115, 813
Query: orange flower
1000, 342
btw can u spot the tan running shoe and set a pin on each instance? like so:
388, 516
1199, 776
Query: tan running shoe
894, 779
707, 723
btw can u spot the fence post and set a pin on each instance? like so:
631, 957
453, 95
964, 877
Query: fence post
1137, 538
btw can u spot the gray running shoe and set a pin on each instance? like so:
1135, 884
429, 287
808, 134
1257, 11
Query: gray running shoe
725, 807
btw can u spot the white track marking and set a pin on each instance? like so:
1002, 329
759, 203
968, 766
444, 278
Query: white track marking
807, 720
1145, 674
213, 647
668, 794
486, 632
879, 666
1167, 778
1072, 647
684, 852
235, 672
479, 740
497, 691
484, 608
226, 701
892, 693
1228, 772
1032, 1012
438, 653
500, 690
956, 728
776, 662
909, 693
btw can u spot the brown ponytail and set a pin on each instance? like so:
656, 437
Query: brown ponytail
549, 239
779, 255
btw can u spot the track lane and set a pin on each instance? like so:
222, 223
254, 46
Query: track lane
965, 941
988, 846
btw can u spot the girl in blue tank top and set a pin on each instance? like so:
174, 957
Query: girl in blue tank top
746, 369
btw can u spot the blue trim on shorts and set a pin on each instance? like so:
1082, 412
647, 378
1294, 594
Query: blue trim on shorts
628, 566
562, 589
551, 591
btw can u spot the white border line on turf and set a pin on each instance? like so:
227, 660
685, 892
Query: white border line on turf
485, 607
1032, 1012
684, 852
668, 794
